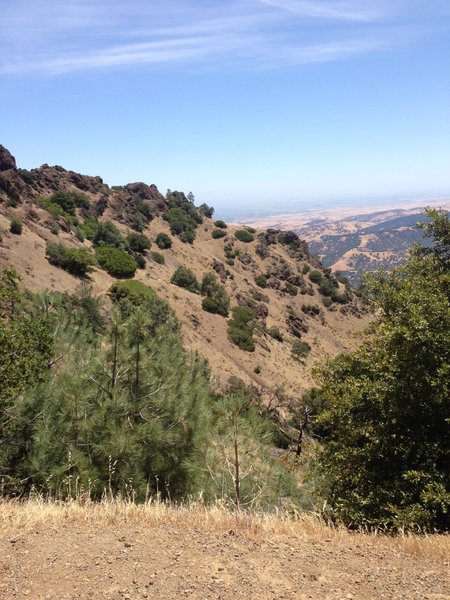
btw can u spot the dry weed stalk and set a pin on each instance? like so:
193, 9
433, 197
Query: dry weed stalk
301, 527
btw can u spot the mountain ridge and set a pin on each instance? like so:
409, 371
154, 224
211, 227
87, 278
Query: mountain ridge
286, 298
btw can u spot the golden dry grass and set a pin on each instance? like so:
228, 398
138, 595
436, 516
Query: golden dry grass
303, 527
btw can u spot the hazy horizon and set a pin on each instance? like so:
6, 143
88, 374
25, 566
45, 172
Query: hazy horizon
247, 104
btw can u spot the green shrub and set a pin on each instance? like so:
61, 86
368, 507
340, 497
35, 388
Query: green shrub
220, 224
26, 175
185, 278
306, 268
140, 261
77, 261
261, 281
240, 328
218, 233
315, 276
79, 234
250, 229
137, 242
116, 262
55, 228
163, 241
16, 226
69, 201
158, 258
327, 301
182, 217
217, 300
243, 236
291, 289
300, 350
107, 234
310, 309
89, 227
275, 333
12, 202
134, 291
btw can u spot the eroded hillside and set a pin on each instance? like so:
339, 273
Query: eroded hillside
300, 312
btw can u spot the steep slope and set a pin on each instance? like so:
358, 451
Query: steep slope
291, 299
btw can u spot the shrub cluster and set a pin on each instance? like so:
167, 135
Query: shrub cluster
241, 327
116, 262
137, 242
218, 233
74, 260
132, 291
300, 349
261, 280
158, 258
163, 241
182, 217
216, 298
275, 333
243, 236
185, 278
220, 224
16, 226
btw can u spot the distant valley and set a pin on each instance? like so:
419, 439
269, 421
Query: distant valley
354, 241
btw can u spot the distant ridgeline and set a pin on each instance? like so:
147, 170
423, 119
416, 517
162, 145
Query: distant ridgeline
380, 246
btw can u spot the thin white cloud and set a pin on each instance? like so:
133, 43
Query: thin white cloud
361, 10
37, 37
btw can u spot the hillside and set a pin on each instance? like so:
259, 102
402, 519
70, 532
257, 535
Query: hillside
286, 298
123, 551
358, 240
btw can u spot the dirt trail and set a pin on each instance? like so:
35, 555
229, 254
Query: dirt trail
131, 560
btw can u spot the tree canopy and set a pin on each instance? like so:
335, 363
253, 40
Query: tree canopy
386, 422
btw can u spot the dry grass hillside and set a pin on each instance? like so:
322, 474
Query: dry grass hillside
285, 261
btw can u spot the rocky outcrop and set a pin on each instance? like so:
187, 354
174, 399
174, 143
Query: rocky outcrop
7, 160
296, 324
11, 184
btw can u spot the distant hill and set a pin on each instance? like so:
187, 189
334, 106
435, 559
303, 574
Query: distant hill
355, 241
300, 312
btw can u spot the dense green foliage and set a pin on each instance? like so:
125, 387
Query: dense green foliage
137, 242
77, 261
116, 262
220, 224
216, 234
216, 298
163, 241
107, 234
182, 217
68, 201
25, 353
121, 409
185, 278
244, 236
240, 328
131, 290
386, 420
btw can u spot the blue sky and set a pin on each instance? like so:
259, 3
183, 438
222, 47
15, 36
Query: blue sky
248, 103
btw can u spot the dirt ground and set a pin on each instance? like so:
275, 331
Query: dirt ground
181, 557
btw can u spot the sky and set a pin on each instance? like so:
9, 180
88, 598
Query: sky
269, 104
